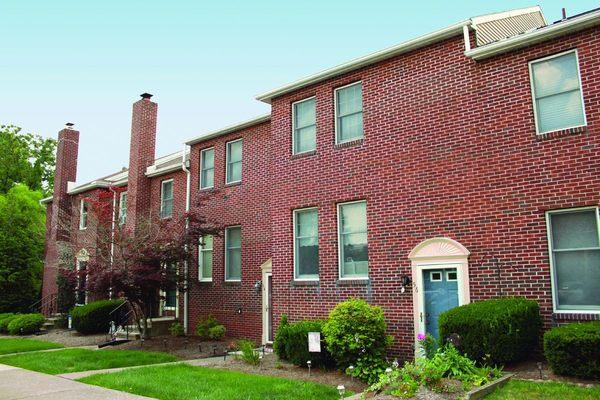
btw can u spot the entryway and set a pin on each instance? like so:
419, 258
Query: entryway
440, 276
267, 302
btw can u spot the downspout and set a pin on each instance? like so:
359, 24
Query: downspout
187, 224
112, 236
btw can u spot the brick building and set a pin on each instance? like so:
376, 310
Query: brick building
455, 167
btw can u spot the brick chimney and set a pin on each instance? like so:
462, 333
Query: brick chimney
60, 211
141, 156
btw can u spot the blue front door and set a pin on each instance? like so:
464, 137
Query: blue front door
441, 294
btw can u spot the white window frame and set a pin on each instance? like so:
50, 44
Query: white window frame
163, 293
339, 239
162, 196
82, 204
227, 181
441, 275
336, 117
201, 163
227, 279
551, 257
201, 250
122, 211
535, 114
294, 125
448, 272
295, 251
85, 281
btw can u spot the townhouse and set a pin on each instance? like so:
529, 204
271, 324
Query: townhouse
458, 166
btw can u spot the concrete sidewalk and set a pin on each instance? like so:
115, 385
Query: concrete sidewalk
21, 384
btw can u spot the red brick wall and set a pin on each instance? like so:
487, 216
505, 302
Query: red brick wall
450, 149
245, 204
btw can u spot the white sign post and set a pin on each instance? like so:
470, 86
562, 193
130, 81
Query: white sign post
314, 342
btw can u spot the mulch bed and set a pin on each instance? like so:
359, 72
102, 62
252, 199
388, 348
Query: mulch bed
186, 348
529, 370
69, 338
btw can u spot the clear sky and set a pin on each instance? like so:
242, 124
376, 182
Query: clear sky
86, 62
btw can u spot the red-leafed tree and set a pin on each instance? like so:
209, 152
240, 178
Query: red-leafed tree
137, 264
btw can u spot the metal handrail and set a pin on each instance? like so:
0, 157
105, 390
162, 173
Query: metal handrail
119, 306
41, 301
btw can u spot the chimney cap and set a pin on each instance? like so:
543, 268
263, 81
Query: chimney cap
146, 95
69, 125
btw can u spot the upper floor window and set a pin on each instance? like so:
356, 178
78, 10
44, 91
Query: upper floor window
122, 208
234, 161
306, 244
304, 126
233, 253
348, 113
556, 89
166, 199
83, 214
205, 258
575, 256
352, 240
207, 168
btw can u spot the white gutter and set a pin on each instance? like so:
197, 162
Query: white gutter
89, 186
229, 129
188, 185
372, 58
549, 32
46, 200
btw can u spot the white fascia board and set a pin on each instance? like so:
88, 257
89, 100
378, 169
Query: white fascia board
229, 129
421, 41
88, 186
46, 200
537, 36
153, 171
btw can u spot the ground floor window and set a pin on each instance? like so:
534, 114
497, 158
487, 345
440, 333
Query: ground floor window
171, 298
352, 234
575, 257
81, 297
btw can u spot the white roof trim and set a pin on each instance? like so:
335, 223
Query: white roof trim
153, 171
46, 200
229, 129
548, 32
87, 186
436, 36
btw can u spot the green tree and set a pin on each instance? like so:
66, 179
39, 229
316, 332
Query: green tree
22, 228
26, 158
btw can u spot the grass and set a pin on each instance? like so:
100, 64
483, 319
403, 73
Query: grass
8, 346
76, 360
518, 389
184, 382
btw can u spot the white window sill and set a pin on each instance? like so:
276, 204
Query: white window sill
562, 129
576, 311
205, 280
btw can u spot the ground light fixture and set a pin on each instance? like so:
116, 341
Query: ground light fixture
341, 390
309, 363
351, 372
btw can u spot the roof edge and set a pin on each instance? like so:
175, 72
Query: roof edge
372, 58
229, 129
548, 32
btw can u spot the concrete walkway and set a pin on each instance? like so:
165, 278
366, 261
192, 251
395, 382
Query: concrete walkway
21, 384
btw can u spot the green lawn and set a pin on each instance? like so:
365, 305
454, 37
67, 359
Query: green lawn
517, 389
8, 346
76, 360
184, 382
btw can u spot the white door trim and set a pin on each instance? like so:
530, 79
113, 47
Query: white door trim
266, 272
437, 253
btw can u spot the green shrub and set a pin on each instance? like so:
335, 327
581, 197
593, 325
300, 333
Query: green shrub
204, 326
26, 324
249, 354
5, 320
176, 329
574, 349
355, 334
95, 317
217, 332
296, 345
281, 338
494, 331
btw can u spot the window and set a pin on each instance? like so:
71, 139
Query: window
352, 236
306, 244
451, 276
304, 126
81, 293
83, 215
166, 199
171, 299
205, 258
234, 161
172, 271
556, 90
575, 257
207, 168
435, 276
348, 113
122, 208
233, 253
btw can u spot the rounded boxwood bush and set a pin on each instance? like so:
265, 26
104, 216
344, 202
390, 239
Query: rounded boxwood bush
294, 344
217, 332
355, 334
494, 331
574, 349
5, 319
95, 317
26, 324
